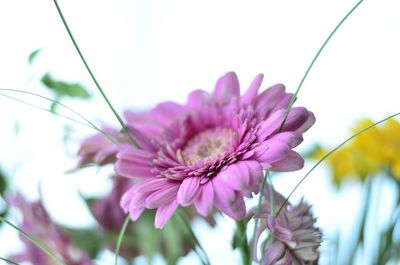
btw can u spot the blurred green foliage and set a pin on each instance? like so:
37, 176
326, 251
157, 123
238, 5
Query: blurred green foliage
60, 89
88, 240
33, 55
3, 188
64, 89
3, 183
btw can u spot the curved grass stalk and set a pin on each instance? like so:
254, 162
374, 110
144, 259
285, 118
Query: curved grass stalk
71, 36
260, 196
294, 97
9, 261
88, 123
30, 238
330, 153
184, 220
120, 238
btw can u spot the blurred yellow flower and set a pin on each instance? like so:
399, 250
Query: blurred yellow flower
376, 150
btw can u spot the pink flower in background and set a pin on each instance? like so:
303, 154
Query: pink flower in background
37, 223
106, 211
295, 239
98, 149
211, 151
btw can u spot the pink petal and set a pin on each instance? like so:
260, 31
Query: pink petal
135, 155
251, 93
167, 112
135, 214
236, 176
236, 210
274, 253
277, 150
293, 161
256, 175
227, 200
299, 120
143, 122
243, 176
205, 199
307, 124
141, 139
151, 185
221, 191
164, 214
126, 199
162, 196
133, 203
226, 88
283, 102
198, 99
126, 168
268, 99
279, 231
270, 125
188, 190
134, 163
292, 139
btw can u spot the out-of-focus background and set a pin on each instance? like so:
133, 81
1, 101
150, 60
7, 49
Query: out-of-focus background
144, 52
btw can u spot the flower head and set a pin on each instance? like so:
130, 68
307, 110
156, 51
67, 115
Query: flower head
210, 151
37, 223
294, 239
369, 153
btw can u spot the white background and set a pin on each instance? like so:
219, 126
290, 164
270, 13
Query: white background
144, 52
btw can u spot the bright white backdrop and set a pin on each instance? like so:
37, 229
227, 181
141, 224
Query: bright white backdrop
144, 52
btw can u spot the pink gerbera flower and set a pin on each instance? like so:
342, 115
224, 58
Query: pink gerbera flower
37, 223
211, 151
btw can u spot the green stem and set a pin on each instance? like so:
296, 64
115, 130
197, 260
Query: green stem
330, 153
121, 237
294, 97
124, 128
9, 261
243, 245
30, 238
260, 196
88, 123
184, 220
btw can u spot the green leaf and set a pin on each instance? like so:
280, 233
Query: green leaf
33, 55
53, 107
64, 89
86, 239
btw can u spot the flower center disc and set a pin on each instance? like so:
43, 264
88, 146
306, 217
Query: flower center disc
208, 145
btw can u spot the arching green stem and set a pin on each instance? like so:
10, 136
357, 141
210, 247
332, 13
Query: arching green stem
30, 238
88, 123
260, 197
9, 261
124, 128
184, 220
294, 97
330, 153
121, 237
